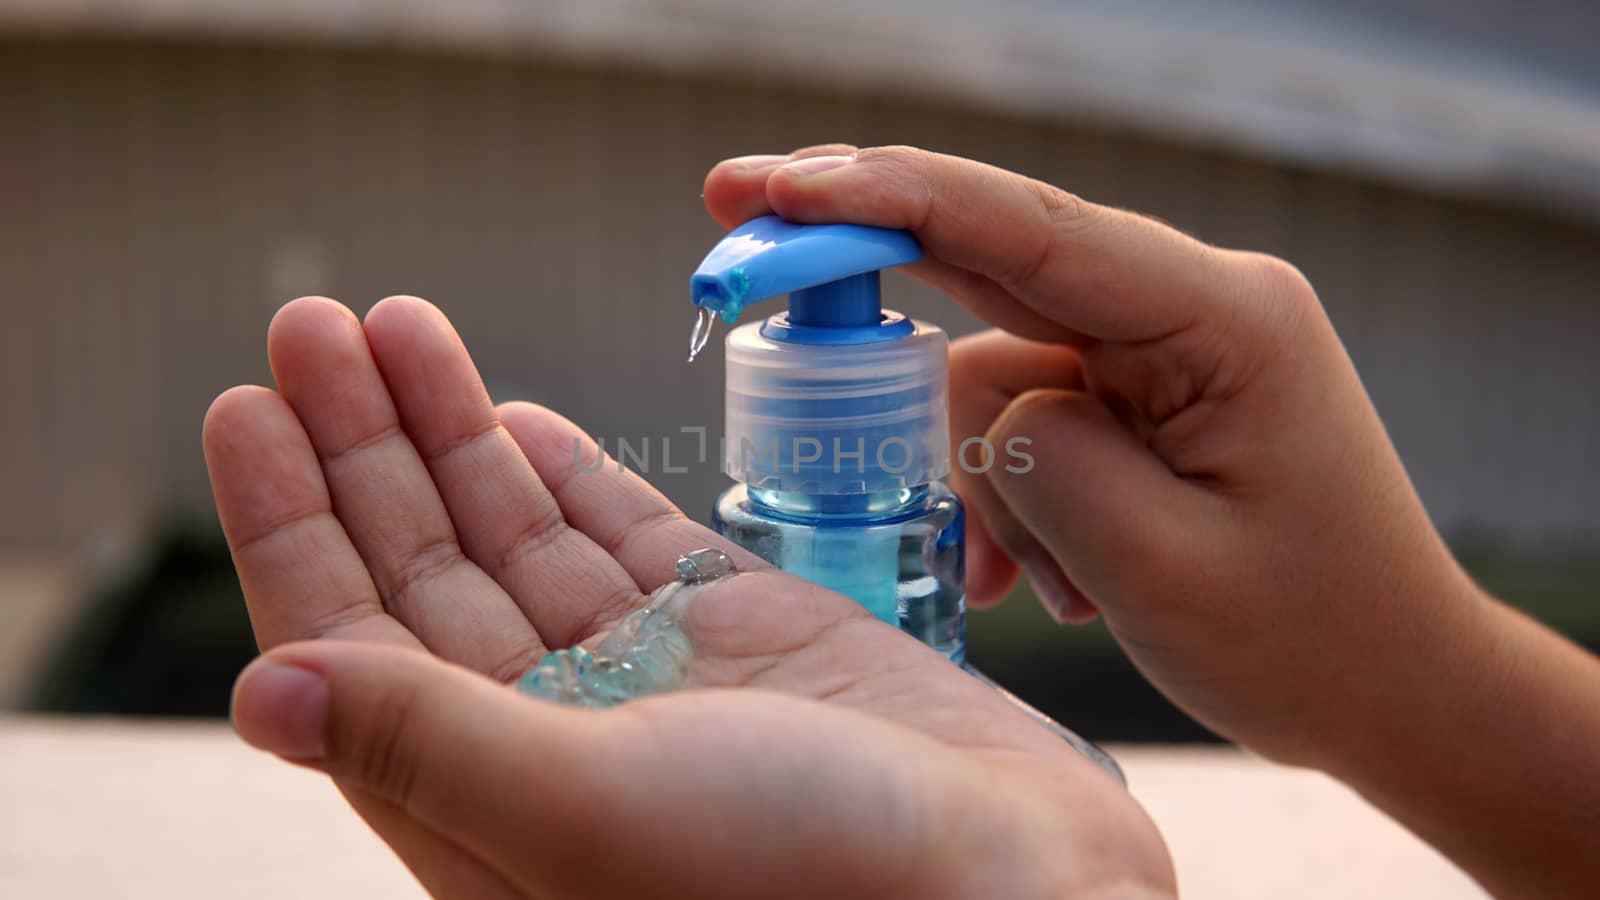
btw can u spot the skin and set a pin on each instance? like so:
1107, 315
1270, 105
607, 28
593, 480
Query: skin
406, 548
1210, 476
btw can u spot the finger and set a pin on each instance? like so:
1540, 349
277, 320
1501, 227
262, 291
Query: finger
833, 149
550, 797
978, 291
640, 528
1100, 501
506, 520
1106, 273
300, 574
736, 192
975, 401
987, 372
991, 572
443, 868
302, 579
735, 189
511, 780
384, 496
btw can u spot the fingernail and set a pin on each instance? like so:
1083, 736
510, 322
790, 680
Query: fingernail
281, 709
757, 160
813, 165
1059, 596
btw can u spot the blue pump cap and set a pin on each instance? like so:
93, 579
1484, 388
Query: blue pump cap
836, 396
830, 273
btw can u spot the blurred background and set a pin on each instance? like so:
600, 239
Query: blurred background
171, 171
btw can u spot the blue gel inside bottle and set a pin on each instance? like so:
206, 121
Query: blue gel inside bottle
898, 553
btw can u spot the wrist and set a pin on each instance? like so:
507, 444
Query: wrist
1483, 746
1415, 673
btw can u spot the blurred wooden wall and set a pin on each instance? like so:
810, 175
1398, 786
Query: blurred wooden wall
157, 203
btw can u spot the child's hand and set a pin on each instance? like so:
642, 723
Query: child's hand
1208, 471
1211, 476
379, 502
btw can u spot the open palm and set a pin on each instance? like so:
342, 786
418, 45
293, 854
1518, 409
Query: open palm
379, 500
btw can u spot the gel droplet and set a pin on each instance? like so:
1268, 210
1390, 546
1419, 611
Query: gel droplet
704, 565
700, 334
648, 652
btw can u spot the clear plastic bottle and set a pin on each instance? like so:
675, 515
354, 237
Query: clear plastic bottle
837, 428
899, 553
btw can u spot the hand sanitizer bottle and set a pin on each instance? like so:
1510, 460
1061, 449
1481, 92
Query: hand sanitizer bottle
837, 427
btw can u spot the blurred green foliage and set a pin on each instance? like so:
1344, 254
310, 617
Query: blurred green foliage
1558, 587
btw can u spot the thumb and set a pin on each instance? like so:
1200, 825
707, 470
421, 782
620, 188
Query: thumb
1110, 512
463, 755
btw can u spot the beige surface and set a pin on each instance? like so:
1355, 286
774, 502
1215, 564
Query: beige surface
1245, 829
98, 808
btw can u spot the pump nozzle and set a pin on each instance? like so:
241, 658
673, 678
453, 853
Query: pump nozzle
830, 273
